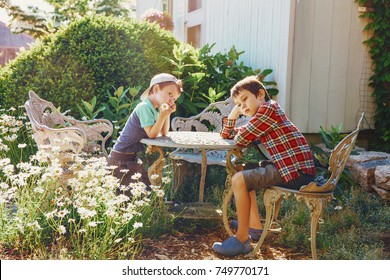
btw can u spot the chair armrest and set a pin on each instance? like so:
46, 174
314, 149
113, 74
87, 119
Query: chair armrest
94, 130
65, 139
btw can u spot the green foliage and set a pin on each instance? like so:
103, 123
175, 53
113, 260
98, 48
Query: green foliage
370, 210
223, 70
87, 59
190, 72
119, 103
89, 110
16, 143
379, 25
321, 156
39, 23
211, 77
349, 233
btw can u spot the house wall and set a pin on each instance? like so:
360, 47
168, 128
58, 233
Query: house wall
330, 66
314, 47
258, 27
144, 5
243, 24
7, 54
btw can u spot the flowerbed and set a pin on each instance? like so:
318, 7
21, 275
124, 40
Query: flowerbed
49, 210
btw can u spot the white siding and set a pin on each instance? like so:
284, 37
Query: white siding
315, 48
258, 27
144, 5
328, 57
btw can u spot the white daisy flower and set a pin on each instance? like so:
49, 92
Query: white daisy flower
136, 176
62, 229
138, 225
92, 224
164, 107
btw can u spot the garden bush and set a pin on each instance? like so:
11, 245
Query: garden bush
87, 59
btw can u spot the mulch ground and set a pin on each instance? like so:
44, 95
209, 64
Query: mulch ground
197, 245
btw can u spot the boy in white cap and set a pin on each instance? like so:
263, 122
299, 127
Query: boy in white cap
150, 118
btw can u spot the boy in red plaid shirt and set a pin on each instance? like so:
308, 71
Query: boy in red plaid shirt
291, 164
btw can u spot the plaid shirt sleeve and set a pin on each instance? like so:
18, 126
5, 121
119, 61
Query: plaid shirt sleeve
228, 129
261, 122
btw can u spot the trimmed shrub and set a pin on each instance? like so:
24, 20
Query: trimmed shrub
87, 59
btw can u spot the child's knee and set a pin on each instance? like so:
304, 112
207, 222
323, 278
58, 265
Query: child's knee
238, 181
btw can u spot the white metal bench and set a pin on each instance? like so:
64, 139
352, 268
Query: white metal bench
52, 128
210, 119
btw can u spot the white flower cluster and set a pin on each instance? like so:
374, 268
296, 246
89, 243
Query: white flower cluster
87, 200
76, 199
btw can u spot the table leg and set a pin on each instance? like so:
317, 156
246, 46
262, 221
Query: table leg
228, 193
202, 175
157, 166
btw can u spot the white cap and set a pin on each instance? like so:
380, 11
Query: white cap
159, 78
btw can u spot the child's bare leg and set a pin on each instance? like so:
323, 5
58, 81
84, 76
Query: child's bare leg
254, 217
243, 206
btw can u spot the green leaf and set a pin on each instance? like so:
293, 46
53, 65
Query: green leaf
177, 73
123, 106
119, 91
93, 102
133, 92
82, 112
266, 72
87, 105
325, 138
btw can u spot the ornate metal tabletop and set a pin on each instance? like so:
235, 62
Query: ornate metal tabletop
192, 139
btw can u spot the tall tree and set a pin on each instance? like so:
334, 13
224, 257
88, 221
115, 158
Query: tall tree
38, 23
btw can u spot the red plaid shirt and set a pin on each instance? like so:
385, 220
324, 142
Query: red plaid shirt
286, 145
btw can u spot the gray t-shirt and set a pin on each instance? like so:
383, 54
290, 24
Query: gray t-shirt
143, 115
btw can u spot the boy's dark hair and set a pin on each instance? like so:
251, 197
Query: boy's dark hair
251, 84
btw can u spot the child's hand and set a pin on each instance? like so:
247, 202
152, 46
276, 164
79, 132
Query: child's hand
173, 108
234, 113
165, 108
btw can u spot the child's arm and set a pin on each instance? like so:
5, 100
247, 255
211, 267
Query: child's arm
162, 124
165, 128
228, 130
264, 120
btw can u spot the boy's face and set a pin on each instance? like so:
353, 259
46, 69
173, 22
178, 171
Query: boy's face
167, 94
248, 103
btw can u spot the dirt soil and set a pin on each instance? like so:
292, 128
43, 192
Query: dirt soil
197, 245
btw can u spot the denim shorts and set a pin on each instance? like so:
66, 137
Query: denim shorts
268, 176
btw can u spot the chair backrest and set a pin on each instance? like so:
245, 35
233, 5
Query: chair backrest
49, 125
210, 119
42, 112
337, 160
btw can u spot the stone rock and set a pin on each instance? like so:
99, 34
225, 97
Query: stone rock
367, 156
382, 193
382, 177
363, 166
